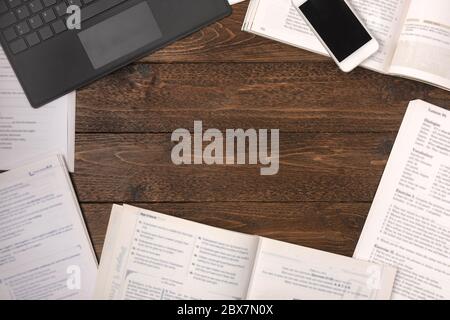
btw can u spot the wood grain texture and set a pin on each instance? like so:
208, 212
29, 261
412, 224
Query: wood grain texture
225, 42
313, 167
293, 97
333, 227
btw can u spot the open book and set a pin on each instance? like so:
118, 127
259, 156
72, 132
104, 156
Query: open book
45, 251
148, 255
414, 36
408, 226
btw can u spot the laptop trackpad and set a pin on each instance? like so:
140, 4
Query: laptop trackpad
120, 35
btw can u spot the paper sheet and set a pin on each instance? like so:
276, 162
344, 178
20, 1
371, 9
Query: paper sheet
289, 272
26, 133
151, 256
408, 226
45, 251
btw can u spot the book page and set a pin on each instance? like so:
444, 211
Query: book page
250, 14
384, 19
27, 133
423, 50
148, 255
408, 226
279, 20
289, 272
45, 251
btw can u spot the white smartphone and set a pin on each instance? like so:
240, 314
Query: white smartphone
340, 30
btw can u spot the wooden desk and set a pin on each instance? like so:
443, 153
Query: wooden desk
337, 131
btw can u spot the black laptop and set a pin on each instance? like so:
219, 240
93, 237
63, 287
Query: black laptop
51, 60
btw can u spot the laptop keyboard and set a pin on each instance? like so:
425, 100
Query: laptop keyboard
28, 23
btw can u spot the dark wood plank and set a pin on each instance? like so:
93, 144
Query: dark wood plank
225, 42
333, 227
293, 97
313, 167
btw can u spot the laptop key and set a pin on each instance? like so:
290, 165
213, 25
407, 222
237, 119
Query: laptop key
48, 15
22, 13
22, 28
18, 46
10, 34
7, 19
58, 26
3, 6
35, 22
36, 6
45, 33
48, 3
14, 3
61, 9
32, 39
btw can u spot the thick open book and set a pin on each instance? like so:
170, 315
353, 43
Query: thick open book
408, 226
148, 255
45, 251
414, 36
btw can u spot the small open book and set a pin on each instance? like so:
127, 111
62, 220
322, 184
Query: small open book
148, 255
414, 36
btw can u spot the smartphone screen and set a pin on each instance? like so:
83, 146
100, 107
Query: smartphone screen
336, 24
